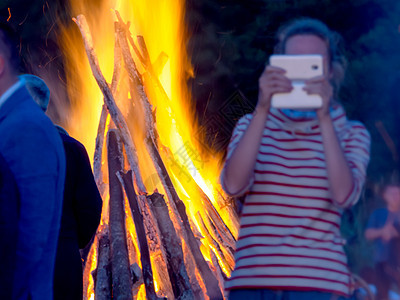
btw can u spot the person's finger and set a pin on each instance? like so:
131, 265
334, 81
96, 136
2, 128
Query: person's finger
273, 69
287, 85
318, 87
280, 89
317, 79
275, 77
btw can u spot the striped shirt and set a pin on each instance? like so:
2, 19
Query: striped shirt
290, 228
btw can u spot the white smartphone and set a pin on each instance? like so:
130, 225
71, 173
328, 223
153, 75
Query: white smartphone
298, 69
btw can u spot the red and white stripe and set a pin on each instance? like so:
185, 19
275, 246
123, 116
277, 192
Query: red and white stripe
290, 228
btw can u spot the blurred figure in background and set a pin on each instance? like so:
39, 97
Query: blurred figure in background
9, 218
383, 229
298, 169
81, 207
33, 150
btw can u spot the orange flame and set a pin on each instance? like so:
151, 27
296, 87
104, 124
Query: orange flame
194, 170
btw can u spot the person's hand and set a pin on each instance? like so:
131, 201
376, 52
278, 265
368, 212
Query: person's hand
320, 85
272, 80
388, 232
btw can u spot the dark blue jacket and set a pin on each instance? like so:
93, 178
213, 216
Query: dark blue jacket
80, 217
34, 152
9, 216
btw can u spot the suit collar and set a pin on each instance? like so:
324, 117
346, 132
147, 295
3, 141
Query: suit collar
18, 96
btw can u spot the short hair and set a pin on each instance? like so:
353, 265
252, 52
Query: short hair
9, 44
333, 40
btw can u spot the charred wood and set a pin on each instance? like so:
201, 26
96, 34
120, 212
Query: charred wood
172, 247
156, 250
210, 281
213, 290
121, 277
103, 273
214, 246
127, 181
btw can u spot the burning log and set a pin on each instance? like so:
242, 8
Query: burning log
135, 77
98, 151
98, 175
210, 281
218, 227
126, 180
155, 246
113, 109
214, 244
184, 271
103, 272
227, 251
172, 245
121, 278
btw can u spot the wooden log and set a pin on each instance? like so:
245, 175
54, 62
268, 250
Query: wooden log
173, 249
209, 279
126, 180
113, 109
98, 151
134, 76
225, 236
103, 276
121, 277
136, 271
220, 275
228, 252
230, 209
226, 264
223, 230
157, 252
99, 146
137, 275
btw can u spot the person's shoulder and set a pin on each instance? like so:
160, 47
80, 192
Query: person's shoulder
358, 125
25, 111
244, 120
73, 147
349, 126
67, 139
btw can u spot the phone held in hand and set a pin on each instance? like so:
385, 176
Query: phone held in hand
298, 69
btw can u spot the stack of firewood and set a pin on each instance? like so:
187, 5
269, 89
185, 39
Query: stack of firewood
165, 236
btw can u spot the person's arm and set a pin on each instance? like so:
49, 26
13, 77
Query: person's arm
87, 199
342, 182
36, 165
240, 164
340, 177
386, 233
373, 233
